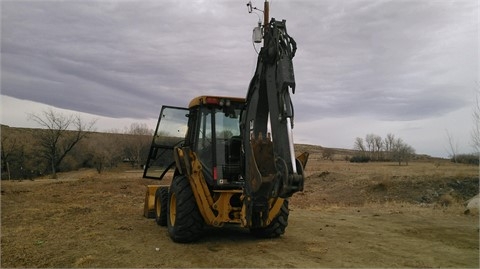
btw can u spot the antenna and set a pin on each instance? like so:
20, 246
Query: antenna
249, 6
266, 11
257, 35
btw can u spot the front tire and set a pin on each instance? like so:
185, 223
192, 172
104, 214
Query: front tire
276, 227
161, 202
184, 221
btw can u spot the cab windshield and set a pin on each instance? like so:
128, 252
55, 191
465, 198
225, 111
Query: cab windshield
218, 143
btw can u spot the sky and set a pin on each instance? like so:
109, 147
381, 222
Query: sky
406, 67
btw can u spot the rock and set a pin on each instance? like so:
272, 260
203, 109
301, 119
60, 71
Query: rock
473, 205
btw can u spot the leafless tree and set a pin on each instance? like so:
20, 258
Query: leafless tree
378, 146
106, 152
137, 143
476, 124
392, 148
359, 145
370, 141
402, 152
138, 129
328, 154
388, 142
476, 127
408, 153
9, 147
60, 135
452, 146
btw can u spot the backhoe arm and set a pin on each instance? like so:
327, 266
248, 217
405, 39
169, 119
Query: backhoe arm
271, 169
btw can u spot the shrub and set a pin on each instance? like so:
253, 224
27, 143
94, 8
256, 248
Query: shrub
360, 159
466, 159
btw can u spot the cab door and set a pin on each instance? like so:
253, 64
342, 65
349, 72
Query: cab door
170, 132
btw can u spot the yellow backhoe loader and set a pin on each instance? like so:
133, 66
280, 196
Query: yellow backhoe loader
227, 166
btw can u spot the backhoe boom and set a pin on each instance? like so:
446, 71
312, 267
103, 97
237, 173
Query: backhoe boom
271, 167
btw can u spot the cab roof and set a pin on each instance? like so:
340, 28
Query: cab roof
213, 100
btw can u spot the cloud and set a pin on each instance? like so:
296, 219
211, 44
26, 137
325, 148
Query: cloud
395, 59
109, 57
388, 61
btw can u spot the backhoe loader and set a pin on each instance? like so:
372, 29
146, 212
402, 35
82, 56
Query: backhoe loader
232, 158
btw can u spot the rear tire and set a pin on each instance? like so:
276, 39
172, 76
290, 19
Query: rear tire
276, 227
161, 202
184, 221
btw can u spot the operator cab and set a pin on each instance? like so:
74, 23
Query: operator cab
210, 127
215, 137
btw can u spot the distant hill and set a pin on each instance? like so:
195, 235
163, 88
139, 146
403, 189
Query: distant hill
21, 151
317, 150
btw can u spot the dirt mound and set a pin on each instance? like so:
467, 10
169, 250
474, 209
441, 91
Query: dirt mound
426, 190
356, 184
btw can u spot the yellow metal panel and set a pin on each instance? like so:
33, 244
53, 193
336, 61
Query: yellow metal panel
226, 213
275, 209
149, 203
200, 190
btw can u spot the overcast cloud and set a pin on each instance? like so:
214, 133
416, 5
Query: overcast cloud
403, 67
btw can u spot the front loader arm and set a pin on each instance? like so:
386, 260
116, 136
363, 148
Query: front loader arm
271, 169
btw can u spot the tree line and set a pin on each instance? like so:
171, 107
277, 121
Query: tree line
67, 142
376, 148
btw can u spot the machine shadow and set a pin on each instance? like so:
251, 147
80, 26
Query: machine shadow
228, 233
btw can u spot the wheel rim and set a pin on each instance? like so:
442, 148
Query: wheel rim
173, 208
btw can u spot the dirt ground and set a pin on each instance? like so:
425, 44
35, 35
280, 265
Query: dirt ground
350, 215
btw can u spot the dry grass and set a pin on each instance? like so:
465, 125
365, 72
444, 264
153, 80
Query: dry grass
342, 219
421, 182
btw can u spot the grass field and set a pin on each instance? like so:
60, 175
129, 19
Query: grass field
349, 215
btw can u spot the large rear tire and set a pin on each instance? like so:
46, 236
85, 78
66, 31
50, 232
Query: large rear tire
184, 221
161, 202
276, 227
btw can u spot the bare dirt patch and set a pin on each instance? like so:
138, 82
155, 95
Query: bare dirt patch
350, 215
